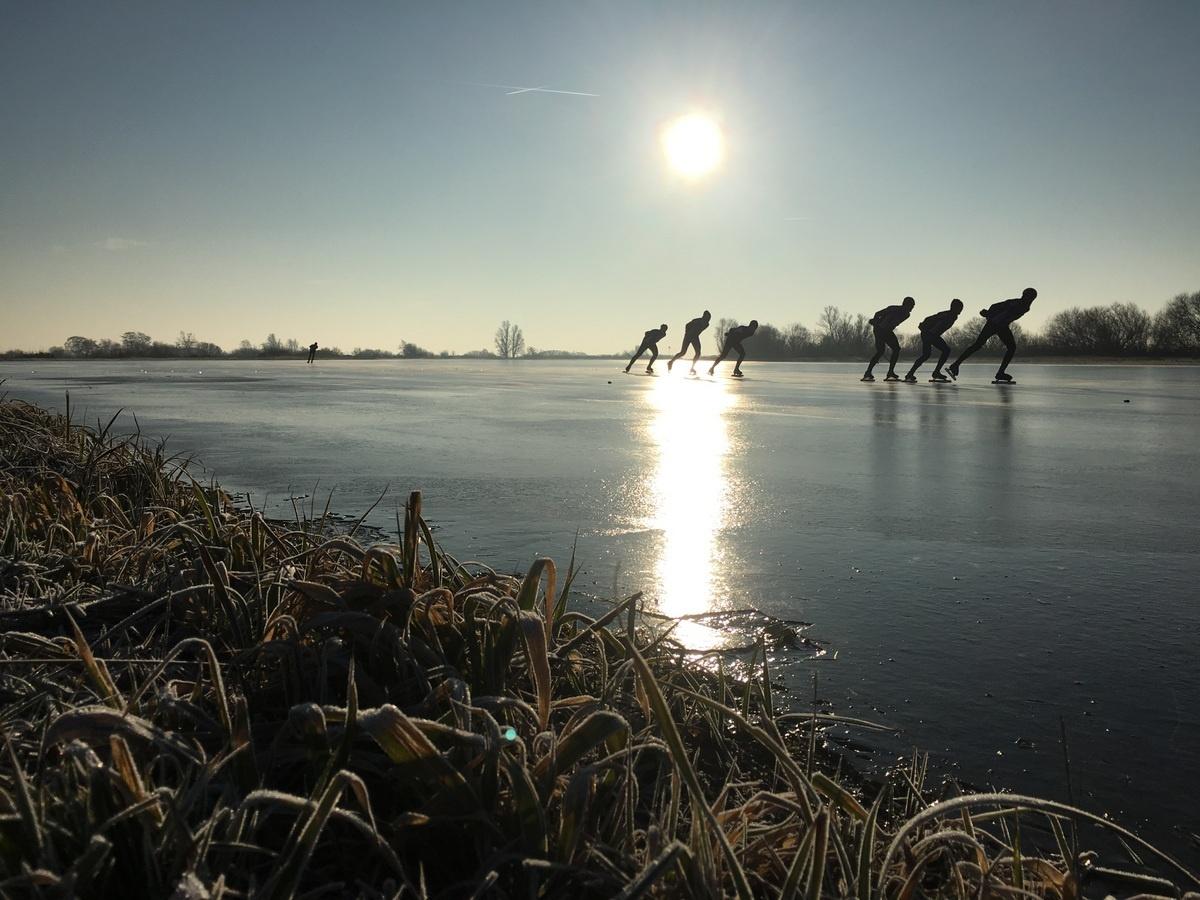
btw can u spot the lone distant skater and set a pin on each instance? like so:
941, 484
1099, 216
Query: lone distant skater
884, 323
1000, 316
733, 341
691, 338
312, 351
932, 328
649, 342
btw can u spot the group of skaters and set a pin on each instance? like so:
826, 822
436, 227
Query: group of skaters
691, 341
998, 321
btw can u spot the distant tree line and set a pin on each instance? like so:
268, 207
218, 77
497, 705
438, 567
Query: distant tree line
1121, 329
138, 345
509, 342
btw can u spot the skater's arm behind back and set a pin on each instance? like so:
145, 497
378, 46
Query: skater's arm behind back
1005, 312
941, 322
999, 308
881, 317
892, 316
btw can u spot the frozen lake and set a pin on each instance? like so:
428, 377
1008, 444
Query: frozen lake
983, 559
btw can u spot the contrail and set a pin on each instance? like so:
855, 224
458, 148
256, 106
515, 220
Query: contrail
511, 89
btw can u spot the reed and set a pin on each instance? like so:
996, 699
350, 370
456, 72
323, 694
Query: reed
198, 702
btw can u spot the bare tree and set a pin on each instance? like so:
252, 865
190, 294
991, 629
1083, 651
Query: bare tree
510, 341
842, 334
1177, 326
799, 339
186, 342
245, 350
719, 328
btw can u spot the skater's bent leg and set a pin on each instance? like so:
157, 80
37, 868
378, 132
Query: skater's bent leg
675, 358
945, 351
696, 357
718, 360
879, 345
741, 355
653, 356
894, 346
920, 360
1010, 344
979, 344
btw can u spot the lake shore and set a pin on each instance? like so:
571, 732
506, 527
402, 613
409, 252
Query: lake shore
380, 717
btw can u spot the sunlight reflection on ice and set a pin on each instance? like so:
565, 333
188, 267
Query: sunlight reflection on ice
689, 430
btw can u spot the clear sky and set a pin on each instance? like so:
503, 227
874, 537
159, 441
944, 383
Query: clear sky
343, 173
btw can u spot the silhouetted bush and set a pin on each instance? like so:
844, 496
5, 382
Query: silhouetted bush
534, 353
1122, 329
1177, 326
371, 353
410, 350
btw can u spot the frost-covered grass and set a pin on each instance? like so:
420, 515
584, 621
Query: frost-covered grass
195, 700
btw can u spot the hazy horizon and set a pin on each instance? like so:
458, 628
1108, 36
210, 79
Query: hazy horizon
361, 178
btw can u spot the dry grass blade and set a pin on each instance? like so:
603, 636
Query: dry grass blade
533, 632
1016, 801
679, 756
645, 880
406, 744
866, 847
96, 669
527, 596
816, 869
601, 727
25, 805
300, 849
94, 725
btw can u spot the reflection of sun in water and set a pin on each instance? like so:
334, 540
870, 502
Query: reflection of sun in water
693, 144
690, 433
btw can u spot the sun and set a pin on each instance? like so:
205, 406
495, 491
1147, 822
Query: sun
693, 144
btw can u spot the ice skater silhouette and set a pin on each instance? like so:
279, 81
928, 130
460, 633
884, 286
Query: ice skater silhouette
884, 323
312, 351
733, 341
649, 342
1000, 316
932, 328
691, 338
